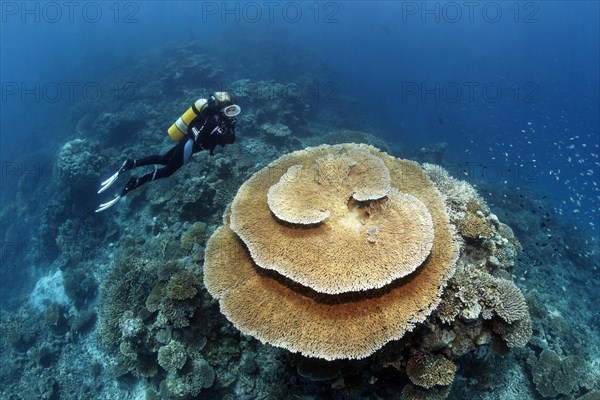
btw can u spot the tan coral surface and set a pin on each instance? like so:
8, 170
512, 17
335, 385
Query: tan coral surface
360, 246
258, 266
275, 311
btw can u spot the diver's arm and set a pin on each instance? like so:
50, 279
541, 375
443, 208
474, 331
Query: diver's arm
229, 133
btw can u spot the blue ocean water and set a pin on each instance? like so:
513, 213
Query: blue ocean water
512, 87
504, 95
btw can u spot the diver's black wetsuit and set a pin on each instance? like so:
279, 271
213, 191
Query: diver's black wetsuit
204, 133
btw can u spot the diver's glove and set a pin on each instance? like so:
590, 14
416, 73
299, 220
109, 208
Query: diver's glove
218, 130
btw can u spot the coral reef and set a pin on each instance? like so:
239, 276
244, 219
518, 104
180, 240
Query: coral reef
459, 194
155, 319
480, 306
474, 292
152, 330
554, 376
146, 309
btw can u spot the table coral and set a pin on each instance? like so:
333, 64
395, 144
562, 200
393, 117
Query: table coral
281, 311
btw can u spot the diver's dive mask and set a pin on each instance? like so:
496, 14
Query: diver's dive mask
231, 111
225, 103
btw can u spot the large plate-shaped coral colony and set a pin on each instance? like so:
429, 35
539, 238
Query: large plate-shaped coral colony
334, 251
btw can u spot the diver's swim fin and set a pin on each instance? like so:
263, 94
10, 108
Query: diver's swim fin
127, 165
108, 204
106, 184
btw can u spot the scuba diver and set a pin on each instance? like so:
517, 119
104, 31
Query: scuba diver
206, 124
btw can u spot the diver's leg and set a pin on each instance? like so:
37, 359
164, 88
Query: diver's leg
178, 156
132, 163
173, 159
153, 159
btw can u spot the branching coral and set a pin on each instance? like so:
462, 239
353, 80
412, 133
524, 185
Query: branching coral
182, 285
141, 304
123, 292
429, 370
194, 235
458, 193
474, 226
188, 383
410, 392
473, 292
155, 297
172, 356
516, 334
510, 302
554, 376
130, 325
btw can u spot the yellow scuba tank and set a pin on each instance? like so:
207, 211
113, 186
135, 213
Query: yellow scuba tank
178, 130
